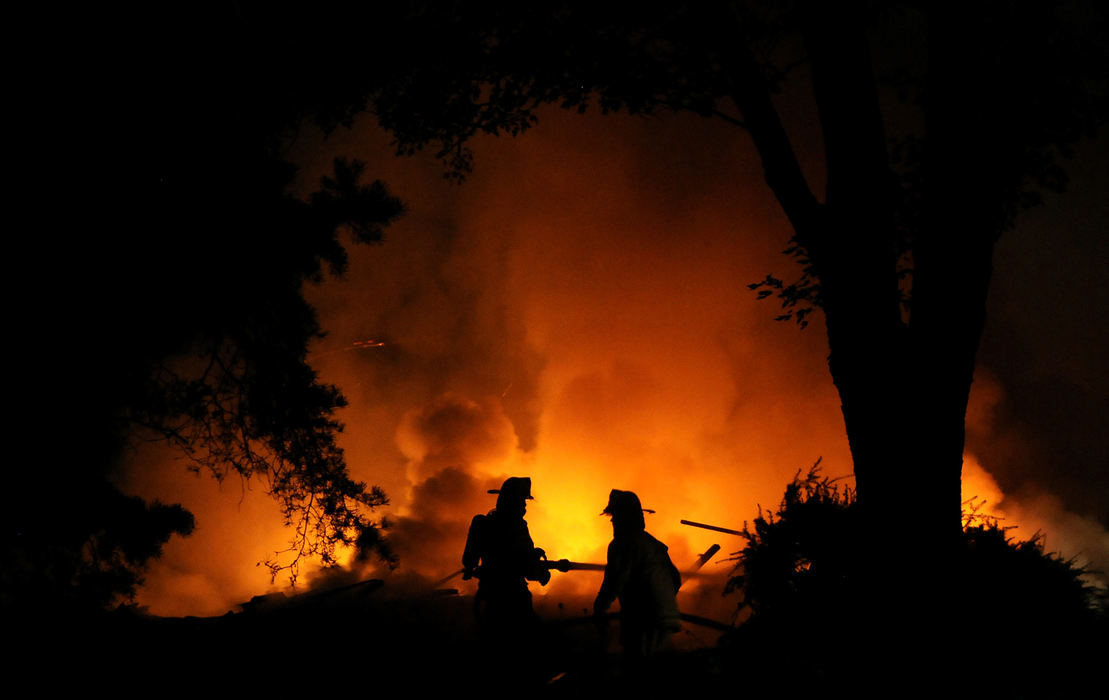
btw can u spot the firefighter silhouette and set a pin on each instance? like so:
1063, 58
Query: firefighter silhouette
641, 576
500, 553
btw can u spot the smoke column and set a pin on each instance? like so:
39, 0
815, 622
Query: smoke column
575, 312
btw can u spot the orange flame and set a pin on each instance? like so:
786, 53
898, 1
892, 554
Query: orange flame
596, 269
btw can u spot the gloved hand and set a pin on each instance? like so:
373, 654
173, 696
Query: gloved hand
542, 573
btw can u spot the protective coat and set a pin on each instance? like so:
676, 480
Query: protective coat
641, 576
500, 552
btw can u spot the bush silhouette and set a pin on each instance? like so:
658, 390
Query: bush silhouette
801, 584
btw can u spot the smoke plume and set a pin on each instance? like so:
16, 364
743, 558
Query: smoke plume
575, 312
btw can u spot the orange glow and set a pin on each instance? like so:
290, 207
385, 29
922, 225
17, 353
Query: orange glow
597, 270
981, 489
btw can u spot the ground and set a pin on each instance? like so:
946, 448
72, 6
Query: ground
371, 640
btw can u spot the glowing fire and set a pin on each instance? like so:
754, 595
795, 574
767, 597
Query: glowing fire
606, 291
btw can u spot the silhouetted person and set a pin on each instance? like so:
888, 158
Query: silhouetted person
500, 553
640, 574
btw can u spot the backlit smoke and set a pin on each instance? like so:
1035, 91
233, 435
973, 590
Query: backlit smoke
575, 312
1030, 511
457, 450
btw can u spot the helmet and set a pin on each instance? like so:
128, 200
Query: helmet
515, 487
625, 509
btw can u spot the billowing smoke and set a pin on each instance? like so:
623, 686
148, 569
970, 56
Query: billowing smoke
575, 312
1031, 510
457, 449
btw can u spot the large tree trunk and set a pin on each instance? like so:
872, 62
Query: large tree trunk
904, 386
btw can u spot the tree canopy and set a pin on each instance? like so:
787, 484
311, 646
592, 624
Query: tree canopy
939, 123
169, 304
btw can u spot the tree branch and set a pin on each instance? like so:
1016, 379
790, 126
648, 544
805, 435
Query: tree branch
751, 95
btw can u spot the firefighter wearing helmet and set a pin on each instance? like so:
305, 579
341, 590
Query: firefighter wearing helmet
641, 576
500, 553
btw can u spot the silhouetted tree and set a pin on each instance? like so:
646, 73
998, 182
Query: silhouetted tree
161, 293
244, 399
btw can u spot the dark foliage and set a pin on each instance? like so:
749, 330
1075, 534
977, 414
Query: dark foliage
159, 275
243, 399
488, 68
804, 554
801, 555
75, 569
802, 579
1014, 586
